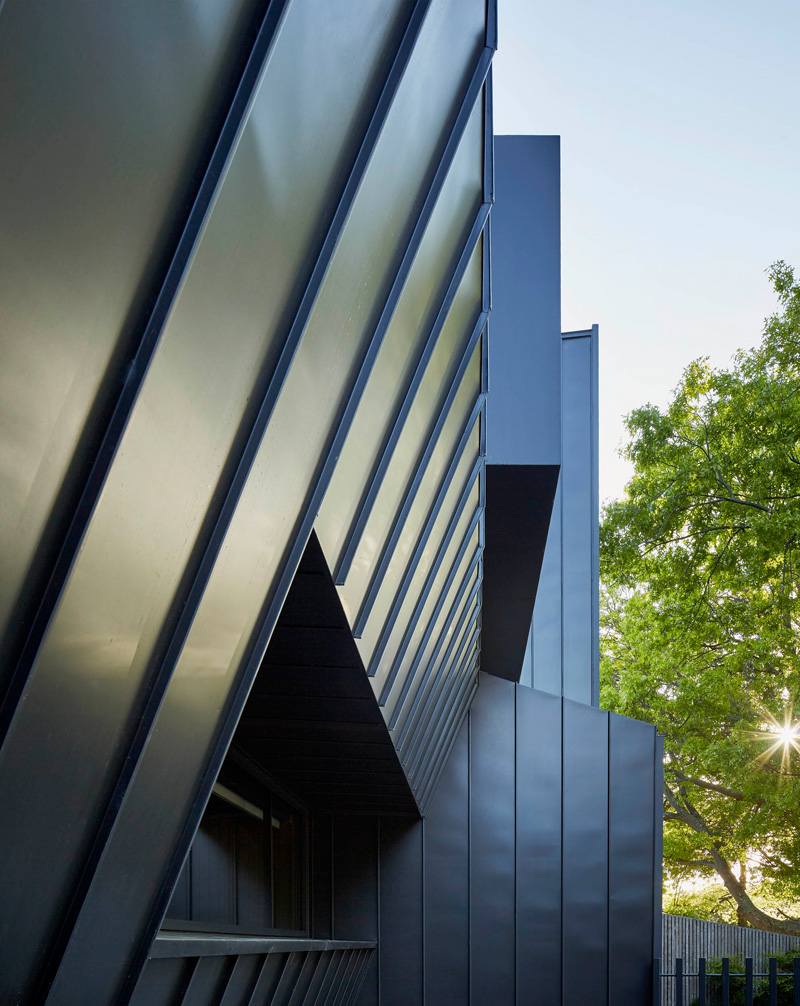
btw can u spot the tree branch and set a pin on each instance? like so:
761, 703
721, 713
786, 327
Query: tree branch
734, 794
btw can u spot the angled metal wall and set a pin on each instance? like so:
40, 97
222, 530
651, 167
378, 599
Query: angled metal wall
201, 288
563, 654
524, 407
559, 857
532, 879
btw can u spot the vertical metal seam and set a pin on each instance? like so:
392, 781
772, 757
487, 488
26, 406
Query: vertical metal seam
561, 839
595, 512
423, 879
378, 903
469, 858
607, 716
333, 884
516, 842
561, 535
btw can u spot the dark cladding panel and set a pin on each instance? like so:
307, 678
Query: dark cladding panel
519, 499
411, 661
321, 905
427, 405
580, 517
447, 883
631, 752
585, 855
356, 887
401, 905
545, 639
109, 117
230, 628
538, 853
492, 825
102, 648
391, 597
405, 338
524, 363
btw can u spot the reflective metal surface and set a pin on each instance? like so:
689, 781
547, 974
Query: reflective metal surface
585, 853
231, 624
96, 176
401, 349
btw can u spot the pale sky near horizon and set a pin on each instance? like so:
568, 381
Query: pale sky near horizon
680, 152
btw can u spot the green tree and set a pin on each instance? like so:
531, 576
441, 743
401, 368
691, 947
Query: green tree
701, 608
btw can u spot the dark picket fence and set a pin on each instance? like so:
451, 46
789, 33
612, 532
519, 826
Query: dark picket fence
714, 983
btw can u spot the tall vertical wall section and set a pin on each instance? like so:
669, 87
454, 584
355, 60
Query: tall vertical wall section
531, 879
535, 877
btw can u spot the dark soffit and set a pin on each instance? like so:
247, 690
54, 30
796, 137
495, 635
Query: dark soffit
312, 720
519, 501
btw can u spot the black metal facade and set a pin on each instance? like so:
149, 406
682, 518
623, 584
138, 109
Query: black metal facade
248, 523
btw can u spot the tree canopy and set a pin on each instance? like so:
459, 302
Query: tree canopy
700, 563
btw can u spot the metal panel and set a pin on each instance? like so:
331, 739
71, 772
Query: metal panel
538, 855
579, 517
403, 343
631, 750
97, 175
355, 877
447, 868
430, 470
435, 663
382, 633
444, 573
492, 865
423, 760
321, 881
402, 910
394, 637
95, 662
435, 711
526, 318
390, 597
545, 637
228, 635
585, 855
427, 403
435, 730
459, 555
437, 764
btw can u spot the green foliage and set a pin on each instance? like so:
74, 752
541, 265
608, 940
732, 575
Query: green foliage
785, 984
700, 615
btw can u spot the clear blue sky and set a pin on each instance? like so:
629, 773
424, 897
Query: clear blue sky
680, 184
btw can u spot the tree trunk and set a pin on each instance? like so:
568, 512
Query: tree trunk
685, 812
745, 907
741, 918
